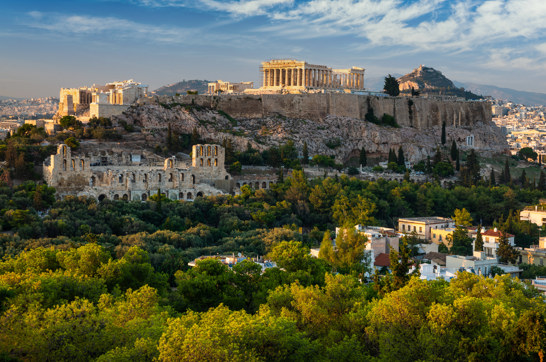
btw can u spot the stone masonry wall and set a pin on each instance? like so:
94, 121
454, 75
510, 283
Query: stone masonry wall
420, 113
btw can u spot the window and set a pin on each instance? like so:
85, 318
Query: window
403, 227
420, 229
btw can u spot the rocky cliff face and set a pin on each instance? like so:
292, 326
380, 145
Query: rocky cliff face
334, 135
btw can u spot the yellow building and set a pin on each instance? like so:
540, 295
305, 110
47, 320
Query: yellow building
423, 226
534, 214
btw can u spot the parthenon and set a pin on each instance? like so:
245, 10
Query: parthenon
294, 75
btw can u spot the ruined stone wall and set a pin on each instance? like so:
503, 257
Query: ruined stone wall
420, 113
106, 110
121, 176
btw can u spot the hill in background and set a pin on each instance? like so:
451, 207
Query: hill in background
430, 81
182, 87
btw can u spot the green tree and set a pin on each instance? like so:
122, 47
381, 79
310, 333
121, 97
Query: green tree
460, 241
527, 152
507, 178
492, 178
541, 181
305, 154
72, 142
68, 122
348, 255
400, 265
363, 159
391, 86
506, 252
462, 217
478, 243
392, 156
443, 137
454, 151
401, 159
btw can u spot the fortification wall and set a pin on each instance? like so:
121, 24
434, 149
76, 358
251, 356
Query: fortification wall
420, 113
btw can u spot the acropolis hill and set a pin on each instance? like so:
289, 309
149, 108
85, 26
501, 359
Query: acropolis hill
320, 119
420, 113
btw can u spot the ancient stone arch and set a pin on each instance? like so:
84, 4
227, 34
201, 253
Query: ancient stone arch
215, 162
181, 196
193, 179
182, 177
208, 151
73, 163
144, 197
102, 197
208, 162
125, 197
199, 194
64, 165
215, 150
92, 181
264, 185
190, 196
116, 197
82, 165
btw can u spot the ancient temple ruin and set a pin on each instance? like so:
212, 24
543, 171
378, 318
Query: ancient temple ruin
295, 76
106, 174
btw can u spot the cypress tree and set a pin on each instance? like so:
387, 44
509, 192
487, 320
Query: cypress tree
305, 153
454, 151
473, 166
523, 179
401, 159
437, 156
492, 181
194, 137
363, 159
457, 163
478, 244
392, 156
541, 181
507, 176
443, 133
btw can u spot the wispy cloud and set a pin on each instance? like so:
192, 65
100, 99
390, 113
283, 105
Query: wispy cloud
112, 27
236, 8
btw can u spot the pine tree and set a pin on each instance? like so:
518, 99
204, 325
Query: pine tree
506, 252
478, 244
401, 159
305, 153
454, 151
363, 159
443, 133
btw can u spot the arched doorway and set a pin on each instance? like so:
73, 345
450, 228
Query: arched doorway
102, 197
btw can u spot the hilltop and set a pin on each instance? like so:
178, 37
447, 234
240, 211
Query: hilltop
182, 87
430, 81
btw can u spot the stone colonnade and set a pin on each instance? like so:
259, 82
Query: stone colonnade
290, 73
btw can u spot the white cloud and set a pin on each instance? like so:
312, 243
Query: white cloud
108, 26
236, 8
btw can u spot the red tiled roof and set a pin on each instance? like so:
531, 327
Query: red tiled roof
382, 260
496, 234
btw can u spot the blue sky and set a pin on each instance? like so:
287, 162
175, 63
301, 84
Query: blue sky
46, 45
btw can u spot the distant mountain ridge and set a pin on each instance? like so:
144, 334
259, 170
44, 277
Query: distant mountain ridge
512, 95
427, 80
182, 87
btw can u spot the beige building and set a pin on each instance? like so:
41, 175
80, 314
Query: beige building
423, 226
297, 76
534, 214
100, 101
228, 88
107, 174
